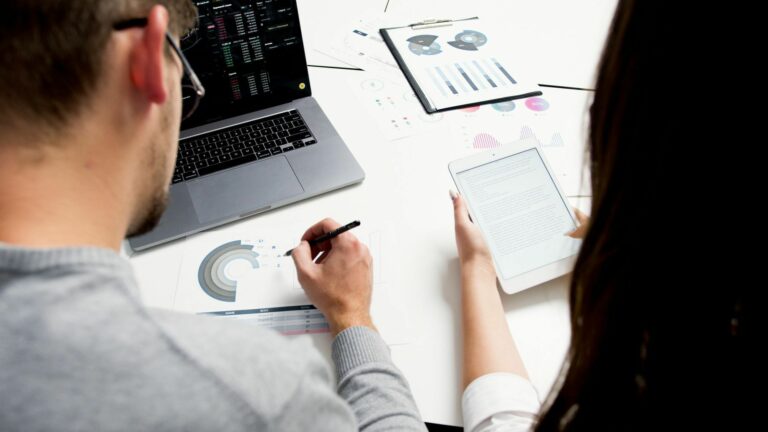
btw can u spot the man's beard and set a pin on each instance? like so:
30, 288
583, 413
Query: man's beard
151, 213
152, 210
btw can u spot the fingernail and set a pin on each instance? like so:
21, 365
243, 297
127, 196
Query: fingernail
453, 194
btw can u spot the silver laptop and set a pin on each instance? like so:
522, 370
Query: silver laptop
258, 140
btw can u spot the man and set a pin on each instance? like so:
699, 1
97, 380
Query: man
89, 119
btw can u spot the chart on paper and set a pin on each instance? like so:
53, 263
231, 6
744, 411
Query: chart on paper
359, 44
288, 320
394, 107
469, 76
555, 119
459, 64
488, 126
240, 276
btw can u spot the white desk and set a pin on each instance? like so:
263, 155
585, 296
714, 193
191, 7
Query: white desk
560, 41
407, 183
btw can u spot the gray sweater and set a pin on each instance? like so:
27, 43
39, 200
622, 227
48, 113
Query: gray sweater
78, 351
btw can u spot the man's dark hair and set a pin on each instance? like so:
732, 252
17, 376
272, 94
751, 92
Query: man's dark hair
51, 53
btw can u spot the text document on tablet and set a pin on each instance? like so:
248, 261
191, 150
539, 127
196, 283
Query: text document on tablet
516, 204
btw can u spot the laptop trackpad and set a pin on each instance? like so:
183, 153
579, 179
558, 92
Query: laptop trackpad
243, 190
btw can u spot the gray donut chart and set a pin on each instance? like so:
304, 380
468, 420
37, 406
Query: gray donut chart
212, 272
469, 40
424, 45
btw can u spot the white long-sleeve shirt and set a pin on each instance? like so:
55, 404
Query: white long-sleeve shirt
499, 402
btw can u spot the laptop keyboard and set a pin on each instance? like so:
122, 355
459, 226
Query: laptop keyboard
226, 148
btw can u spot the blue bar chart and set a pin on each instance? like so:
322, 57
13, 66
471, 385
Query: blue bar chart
463, 77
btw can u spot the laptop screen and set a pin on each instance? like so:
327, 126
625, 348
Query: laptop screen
249, 55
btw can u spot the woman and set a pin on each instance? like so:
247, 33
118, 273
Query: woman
657, 340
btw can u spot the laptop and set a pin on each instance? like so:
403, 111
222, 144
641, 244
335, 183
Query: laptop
258, 140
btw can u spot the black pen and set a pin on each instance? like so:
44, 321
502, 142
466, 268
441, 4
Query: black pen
330, 235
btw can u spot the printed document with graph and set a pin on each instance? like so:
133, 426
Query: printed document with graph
458, 63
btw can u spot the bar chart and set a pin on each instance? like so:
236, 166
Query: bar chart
463, 77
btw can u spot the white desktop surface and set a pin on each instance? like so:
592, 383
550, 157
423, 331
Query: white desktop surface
561, 41
407, 184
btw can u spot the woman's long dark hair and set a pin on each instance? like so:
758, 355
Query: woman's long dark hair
651, 333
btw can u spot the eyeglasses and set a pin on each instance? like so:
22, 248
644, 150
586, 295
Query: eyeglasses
192, 92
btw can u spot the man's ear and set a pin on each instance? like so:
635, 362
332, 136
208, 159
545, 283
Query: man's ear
148, 59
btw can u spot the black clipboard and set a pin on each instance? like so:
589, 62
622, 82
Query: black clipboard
420, 94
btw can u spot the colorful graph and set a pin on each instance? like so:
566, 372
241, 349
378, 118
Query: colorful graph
505, 106
555, 141
537, 104
484, 141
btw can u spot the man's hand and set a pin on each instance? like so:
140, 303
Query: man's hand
337, 276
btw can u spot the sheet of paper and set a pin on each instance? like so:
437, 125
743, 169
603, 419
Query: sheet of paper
393, 106
461, 63
557, 119
239, 275
359, 44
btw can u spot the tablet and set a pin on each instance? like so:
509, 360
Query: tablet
514, 198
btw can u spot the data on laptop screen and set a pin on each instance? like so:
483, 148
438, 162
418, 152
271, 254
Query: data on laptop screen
249, 55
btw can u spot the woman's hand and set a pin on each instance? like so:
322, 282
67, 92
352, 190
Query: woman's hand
473, 251
488, 344
581, 231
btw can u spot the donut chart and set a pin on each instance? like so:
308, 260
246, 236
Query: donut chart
212, 274
469, 40
505, 106
424, 45
537, 104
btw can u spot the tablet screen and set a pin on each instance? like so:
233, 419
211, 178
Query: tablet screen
523, 217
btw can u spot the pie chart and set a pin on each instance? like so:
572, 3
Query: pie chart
213, 276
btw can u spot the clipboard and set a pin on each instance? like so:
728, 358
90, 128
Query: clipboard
458, 63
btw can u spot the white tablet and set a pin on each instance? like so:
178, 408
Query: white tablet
515, 200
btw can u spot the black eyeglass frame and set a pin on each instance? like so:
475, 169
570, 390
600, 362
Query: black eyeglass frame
197, 86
